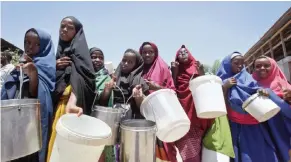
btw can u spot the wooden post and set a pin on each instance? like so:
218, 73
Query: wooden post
283, 44
271, 49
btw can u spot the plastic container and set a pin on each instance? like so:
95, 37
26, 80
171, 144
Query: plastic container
261, 107
109, 66
208, 96
79, 139
164, 108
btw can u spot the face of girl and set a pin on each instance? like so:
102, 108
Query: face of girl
148, 54
128, 62
183, 56
67, 30
97, 60
31, 44
262, 67
237, 64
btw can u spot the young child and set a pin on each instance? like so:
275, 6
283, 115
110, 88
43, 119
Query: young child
38, 65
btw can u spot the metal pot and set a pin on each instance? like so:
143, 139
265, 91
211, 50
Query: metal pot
20, 128
112, 117
138, 141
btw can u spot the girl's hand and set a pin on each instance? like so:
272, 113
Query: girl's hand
74, 109
137, 92
263, 92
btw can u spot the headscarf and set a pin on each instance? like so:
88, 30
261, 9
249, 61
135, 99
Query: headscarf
246, 86
92, 50
126, 82
101, 77
158, 71
186, 71
80, 74
45, 63
276, 79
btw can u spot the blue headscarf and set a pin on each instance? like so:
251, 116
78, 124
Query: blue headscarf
45, 62
246, 85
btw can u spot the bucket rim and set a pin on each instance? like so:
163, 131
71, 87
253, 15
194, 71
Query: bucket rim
153, 95
204, 77
249, 100
108, 109
71, 135
142, 128
7, 104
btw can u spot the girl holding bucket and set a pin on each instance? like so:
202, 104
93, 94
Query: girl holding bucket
269, 75
251, 140
102, 76
75, 79
189, 146
127, 78
157, 76
39, 82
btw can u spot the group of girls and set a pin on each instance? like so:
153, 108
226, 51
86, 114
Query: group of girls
68, 80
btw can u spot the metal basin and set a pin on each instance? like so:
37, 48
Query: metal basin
20, 128
112, 117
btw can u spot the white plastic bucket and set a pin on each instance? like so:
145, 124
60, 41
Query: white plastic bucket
208, 96
212, 156
164, 108
260, 107
79, 139
109, 67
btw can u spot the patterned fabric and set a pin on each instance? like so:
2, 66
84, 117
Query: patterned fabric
190, 145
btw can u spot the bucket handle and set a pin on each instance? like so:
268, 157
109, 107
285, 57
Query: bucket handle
258, 94
21, 76
125, 102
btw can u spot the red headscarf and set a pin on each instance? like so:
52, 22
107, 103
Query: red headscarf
158, 71
276, 79
184, 94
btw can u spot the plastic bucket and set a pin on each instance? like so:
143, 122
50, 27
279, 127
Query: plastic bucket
212, 156
164, 108
260, 107
109, 67
138, 141
79, 139
208, 96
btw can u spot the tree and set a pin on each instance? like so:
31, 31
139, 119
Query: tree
212, 69
215, 66
15, 56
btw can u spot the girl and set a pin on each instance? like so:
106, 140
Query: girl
157, 76
75, 82
183, 69
102, 77
269, 75
251, 140
39, 82
127, 79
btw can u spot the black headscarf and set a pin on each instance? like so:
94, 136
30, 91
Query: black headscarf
92, 50
126, 82
80, 74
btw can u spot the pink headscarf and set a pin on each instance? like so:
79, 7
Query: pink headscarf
158, 71
276, 79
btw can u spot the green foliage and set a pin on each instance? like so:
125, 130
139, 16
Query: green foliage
15, 56
212, 69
